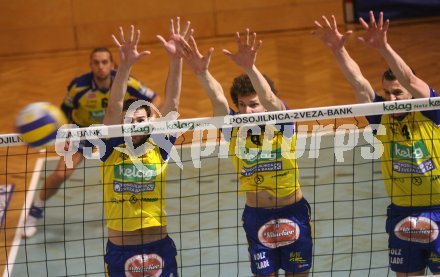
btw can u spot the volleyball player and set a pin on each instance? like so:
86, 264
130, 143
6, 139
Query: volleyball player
410, 162
84, 105
276, 217
134, 174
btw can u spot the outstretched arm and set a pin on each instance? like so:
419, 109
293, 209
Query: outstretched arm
333, 39
376, 38
128, 55
199, 65
174, 79
245, 58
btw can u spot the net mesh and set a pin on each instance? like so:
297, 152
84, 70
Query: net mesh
344, 188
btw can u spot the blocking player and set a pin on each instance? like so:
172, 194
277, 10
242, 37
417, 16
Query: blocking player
276, 217
134, 173
410, 161
84, 105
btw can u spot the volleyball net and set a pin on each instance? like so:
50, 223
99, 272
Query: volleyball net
339, 166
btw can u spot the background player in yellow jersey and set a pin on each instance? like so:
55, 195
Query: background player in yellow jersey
276, 217
84, 105
134, 173
411, 158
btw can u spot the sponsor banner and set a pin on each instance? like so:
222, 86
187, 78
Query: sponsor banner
163, 125
5, 197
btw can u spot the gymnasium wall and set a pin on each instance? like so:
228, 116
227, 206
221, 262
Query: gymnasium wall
35, 26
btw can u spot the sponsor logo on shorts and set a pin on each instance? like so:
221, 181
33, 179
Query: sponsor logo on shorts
417, 229
396, 256
278, 232
144, 265
260, 260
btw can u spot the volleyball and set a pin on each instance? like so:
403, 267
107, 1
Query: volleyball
38, 123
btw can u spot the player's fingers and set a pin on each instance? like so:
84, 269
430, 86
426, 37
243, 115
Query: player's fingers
209, 54
115, 40
237, 38
258, 45
137, 37
317, 24
227, 52
131, 33
334, 24
121, 34
144, 53
172, 26
363, 23
194, 45
188, 34
185, 45
326, 22
387, 24
247, 36
254, 38
186, 30
177, 25
380, 20
164, 42
346, 35
372, 20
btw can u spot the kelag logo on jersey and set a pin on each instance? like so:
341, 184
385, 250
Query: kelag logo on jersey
417, 158
252, 156
416, 152
97, 115
130, 173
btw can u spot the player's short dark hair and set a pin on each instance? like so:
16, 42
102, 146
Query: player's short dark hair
101, 49
242, 86
128, 102
389, 75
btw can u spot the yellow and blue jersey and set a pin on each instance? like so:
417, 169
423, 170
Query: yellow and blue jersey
265, 162
134, 192
411, 158
85, 103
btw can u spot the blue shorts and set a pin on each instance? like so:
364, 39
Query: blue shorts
152, 259
413, 238
279, 238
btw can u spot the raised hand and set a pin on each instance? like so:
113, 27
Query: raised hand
330, 35
376, 36
172, 46
192, 56
128, 52
247, 51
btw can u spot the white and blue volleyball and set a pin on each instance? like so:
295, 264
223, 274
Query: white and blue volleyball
38, 123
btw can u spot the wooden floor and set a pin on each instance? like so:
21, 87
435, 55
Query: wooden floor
303, 70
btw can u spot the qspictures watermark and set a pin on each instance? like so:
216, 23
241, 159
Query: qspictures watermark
166, 126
